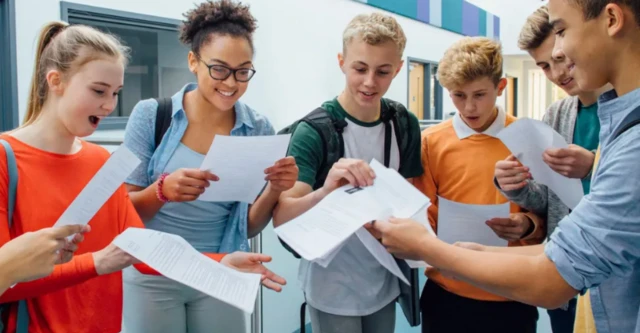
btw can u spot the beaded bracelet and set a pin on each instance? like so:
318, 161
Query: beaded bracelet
159, 194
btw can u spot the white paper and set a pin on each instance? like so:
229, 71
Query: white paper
421, 217
176, 259
381, 254
527, 139
100, 188
239, 162
326, 226
459, 222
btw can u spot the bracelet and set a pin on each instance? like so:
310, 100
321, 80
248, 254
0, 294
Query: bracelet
159, 194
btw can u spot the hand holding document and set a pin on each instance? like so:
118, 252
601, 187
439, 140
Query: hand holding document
326, 226
527, 139
422, 217
239, 162
466, 223
173, 257
100, 188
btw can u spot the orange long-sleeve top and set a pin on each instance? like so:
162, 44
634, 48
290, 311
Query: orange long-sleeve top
462, 170
74, 298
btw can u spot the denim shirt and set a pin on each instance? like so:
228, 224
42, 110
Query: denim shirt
139, 138
597, 246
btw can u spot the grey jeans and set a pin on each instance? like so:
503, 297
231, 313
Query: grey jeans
160, 305
382, 321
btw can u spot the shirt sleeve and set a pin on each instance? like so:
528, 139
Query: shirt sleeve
306, 148
139, 137
412, 165
600, 237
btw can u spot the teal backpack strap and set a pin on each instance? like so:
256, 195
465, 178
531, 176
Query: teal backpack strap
12, 171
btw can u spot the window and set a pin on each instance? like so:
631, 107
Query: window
158, 61
537, 94
425, 92
8, 82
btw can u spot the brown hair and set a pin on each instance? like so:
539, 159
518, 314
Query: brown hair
535, 30
222, 17
469, 59
374, 29
592, 8
65, 48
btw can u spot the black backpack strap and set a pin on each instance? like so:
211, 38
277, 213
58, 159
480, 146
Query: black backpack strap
163, 119
386, 115
632, 119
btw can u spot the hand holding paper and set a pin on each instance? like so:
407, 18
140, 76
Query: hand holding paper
528, 139
174, 258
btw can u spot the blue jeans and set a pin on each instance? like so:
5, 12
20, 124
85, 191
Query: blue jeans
562, 320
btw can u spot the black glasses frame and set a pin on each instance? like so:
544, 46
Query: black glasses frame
233, 71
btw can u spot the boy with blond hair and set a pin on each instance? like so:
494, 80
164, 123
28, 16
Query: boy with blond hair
333, 145
595, 247
459, 156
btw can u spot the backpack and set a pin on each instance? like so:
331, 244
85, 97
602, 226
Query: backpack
12, 170
330, 130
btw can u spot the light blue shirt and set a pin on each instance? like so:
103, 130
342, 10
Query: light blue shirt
139, 138
201, 223
597, 246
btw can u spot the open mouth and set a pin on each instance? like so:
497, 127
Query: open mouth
566, 81
368, 94
225, 93
94, 120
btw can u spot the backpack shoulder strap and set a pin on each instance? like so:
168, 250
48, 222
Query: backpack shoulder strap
12, 171
330, 129
632, 119
163, 118
399, 116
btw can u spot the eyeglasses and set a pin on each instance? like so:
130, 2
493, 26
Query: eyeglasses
221, 72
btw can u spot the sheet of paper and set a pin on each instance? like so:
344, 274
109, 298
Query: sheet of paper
239, 162
328, 224
176, 259
422, 217
100, 188
381, 254
459, 222
527, 139
318, 233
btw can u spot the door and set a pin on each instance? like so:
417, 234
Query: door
416, 89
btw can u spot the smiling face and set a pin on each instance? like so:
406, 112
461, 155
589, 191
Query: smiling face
369, 70
222, 53
586, 42
556, 69
88, 95
476, 102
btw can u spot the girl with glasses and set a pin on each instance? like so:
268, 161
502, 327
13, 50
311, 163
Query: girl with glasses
165, 187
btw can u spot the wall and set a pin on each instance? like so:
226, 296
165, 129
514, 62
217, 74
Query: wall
289, 81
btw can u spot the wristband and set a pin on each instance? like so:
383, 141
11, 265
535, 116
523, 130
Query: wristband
159, 194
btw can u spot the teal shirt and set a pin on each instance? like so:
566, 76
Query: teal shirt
586, 134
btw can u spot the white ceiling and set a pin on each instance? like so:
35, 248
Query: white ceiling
513, 14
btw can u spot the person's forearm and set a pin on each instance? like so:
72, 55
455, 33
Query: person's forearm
531, 250
290, 208
528, 279
261, 210
5, 282
146, 202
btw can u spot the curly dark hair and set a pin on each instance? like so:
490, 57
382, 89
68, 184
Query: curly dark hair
223, 17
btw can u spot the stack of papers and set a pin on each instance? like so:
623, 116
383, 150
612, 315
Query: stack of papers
318, 234
173, 257
527, 139
239, 162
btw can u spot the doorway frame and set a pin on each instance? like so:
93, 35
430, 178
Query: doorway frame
8, 67
428, 67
